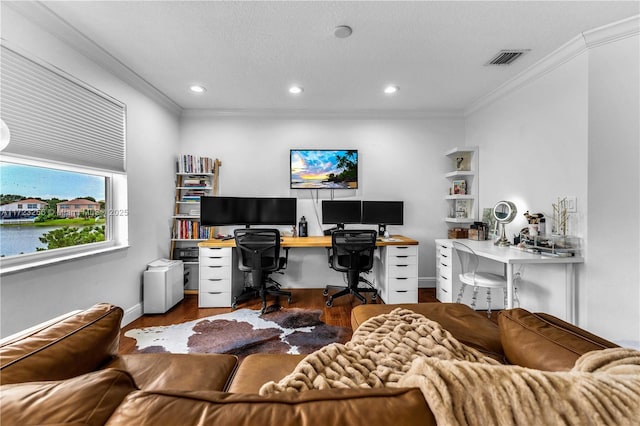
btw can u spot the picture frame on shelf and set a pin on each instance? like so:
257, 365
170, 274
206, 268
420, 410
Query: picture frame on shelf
459, 187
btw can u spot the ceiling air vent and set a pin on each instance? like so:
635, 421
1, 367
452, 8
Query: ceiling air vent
506, 57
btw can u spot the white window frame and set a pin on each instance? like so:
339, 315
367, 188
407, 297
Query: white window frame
116, 221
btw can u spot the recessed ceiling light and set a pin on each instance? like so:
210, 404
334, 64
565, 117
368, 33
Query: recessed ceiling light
342, 31
196, 88
390, 90
296, 90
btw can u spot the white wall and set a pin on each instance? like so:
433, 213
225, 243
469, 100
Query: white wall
400, 159
613, 288
572, 129
152, 133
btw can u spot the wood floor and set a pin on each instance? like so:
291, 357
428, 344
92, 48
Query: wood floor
187, 310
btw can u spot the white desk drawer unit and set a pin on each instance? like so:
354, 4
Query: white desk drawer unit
444, 272
398, 277
215, 283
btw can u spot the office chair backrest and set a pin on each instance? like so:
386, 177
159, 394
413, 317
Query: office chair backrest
353, 250
468, 258
258, 249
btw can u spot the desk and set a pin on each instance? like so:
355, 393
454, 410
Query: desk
511, 256
315, 241
396, 268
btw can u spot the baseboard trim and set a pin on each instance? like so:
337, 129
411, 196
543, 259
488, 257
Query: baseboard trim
426, 282
132, 314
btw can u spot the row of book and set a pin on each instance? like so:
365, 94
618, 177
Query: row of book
192, 196
192, 230
188, 163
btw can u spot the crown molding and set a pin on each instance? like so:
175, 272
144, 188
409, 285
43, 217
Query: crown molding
322, 114
578, 45
50, 22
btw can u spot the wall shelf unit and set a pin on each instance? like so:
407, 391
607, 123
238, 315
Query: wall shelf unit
462, 191
195, 177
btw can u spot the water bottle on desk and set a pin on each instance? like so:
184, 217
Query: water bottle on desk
302, 227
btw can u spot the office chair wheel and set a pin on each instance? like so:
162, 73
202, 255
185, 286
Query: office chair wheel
374, 297
234, 305
329, 303
325, 292
289, 299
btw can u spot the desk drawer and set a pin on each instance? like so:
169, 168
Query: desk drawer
444, 294
445, 271
215, 261
402, 296
215, 271
215, 285
215, 251
214, 300
403, 270
402, 250
402, 259
403, 284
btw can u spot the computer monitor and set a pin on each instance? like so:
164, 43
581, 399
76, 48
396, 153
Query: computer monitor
225, 211
341, 212
383, 213
276, 211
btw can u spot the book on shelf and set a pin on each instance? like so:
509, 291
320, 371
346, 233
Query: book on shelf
462, 209
191, 230
188, 163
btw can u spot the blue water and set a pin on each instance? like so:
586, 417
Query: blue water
22, 239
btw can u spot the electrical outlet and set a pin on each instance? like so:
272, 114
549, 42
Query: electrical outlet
572, 204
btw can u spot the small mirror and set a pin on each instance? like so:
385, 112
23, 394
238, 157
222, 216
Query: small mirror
504, 212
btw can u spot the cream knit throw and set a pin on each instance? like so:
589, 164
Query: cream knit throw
379, 354
461, 386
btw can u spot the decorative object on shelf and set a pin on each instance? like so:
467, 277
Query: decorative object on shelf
459, 161
504, 212
459, 187
559, 219
462, 209
536, 223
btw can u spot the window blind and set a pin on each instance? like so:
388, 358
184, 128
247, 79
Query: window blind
53, 117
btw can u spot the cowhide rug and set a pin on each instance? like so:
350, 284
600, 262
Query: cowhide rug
243, 332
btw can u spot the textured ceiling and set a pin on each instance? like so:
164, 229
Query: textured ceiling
248, 53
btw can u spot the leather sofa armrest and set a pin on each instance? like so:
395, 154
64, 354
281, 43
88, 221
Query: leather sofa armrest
74, 345
544, 342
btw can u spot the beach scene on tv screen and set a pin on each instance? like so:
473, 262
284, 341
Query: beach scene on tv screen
313, 169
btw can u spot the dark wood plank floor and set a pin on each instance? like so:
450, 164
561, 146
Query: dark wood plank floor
187, 310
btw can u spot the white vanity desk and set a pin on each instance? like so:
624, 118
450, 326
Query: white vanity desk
509, 256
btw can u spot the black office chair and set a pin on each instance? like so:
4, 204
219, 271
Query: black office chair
352, 253
259, 253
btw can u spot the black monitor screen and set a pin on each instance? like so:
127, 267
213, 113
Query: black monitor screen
276, 211
383, 212
221, 211
342, 211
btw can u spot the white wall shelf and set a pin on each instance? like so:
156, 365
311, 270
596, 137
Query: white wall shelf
463, 165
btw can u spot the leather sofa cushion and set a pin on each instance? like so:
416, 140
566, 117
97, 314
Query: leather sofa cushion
89, 399
258, 369
544, 342
165, 371
72, 346
355, 407
472, 328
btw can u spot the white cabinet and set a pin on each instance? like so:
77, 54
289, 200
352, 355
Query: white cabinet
215, 287
462, 191
397, 273
444, 272
163, 286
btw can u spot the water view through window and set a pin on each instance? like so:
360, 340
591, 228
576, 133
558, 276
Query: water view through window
43, 208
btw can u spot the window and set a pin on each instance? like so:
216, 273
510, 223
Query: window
65, 162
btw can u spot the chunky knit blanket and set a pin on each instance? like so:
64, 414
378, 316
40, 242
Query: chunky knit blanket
405, 349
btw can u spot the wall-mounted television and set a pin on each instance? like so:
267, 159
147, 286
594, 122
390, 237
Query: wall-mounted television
323, 169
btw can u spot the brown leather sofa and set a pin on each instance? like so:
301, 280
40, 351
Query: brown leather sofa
67, 371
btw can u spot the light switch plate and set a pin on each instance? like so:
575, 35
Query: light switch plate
572, 204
